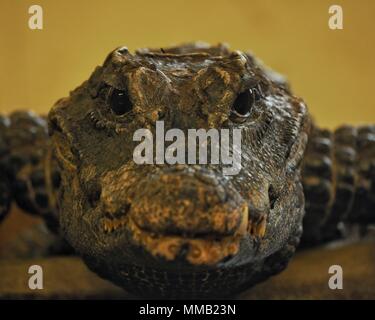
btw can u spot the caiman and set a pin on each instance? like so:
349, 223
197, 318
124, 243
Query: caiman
186, 230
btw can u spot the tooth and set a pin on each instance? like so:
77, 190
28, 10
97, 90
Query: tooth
245, 220
258, 228
261, 228
106, 225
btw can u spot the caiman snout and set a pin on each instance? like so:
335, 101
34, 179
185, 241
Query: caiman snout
181, 201
187, 204
171, 208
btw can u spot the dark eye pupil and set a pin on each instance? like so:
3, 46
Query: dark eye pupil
120, 102
243, 103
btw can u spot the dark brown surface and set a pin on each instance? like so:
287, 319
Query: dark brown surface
305, 278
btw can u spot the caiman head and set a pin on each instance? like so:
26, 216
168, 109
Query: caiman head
178, 217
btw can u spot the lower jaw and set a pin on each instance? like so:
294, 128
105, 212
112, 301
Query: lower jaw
200, 251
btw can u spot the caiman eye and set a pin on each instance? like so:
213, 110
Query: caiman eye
119, 101
244, 102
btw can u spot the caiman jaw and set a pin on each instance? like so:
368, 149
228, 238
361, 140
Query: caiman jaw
200, 250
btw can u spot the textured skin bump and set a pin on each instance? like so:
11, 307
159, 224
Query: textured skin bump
363, 210
344, 160
28, 166
5, 187
338, 180
5, 196
317, 182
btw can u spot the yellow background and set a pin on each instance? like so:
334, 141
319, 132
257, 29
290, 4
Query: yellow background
332, 70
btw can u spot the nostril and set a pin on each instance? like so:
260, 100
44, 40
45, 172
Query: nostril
272, 196
94, 194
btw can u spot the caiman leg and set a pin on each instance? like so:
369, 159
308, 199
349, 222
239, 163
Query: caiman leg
339, 181
28, 171
5, 187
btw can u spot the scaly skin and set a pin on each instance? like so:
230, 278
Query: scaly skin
27, 164
5, 188
339, 181
187, 230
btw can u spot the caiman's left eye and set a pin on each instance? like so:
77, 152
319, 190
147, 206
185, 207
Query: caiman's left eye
119, 101
243, 104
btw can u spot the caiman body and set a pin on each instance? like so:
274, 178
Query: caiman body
164, 230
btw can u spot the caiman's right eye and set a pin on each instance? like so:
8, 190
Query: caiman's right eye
243, 104
119, 101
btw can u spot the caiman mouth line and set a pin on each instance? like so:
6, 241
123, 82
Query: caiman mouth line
200, 250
